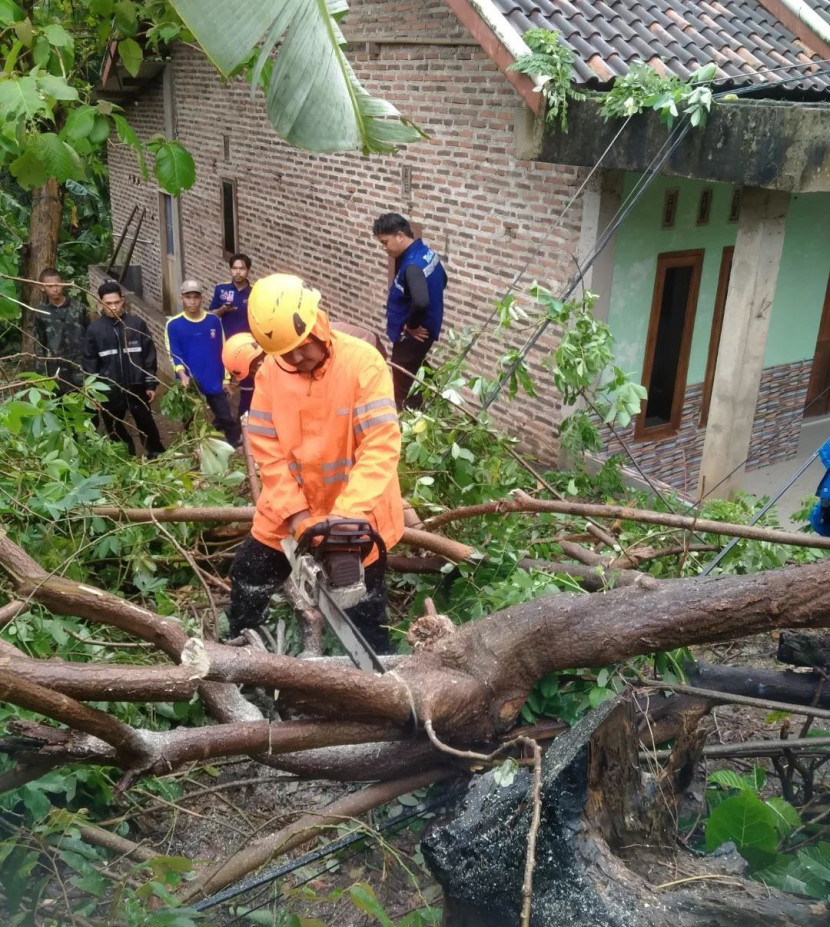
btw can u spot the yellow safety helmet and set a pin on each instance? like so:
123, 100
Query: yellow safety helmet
239, 352
281, 312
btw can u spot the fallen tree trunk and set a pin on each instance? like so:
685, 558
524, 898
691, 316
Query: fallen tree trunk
470, 684
797, 688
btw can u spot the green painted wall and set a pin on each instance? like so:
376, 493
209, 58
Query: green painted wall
802, 277
802, 281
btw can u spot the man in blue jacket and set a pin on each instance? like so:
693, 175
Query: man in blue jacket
230, 304
415, 305
194, 340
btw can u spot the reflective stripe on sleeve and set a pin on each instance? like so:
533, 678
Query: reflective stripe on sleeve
360, 427
108, 352
374, 404
262, 430
336, 478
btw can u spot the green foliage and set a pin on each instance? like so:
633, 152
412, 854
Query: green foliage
643, 88
581, 366
322, 108
506, 772
553, 61
50, 125
174, 167
766, 833
55, 845
53, 465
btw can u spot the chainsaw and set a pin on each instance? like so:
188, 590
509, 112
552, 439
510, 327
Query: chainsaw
327, 577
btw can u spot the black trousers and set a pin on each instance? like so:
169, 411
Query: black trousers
410, 355
224, 420
132, 399
259, 570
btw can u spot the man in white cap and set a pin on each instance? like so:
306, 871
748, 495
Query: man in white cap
194, 339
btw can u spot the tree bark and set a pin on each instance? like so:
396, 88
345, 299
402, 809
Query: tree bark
521, 502
471, 684
41, 250
797, 688
800, 648
606, 851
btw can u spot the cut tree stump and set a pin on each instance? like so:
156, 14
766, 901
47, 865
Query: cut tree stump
802, 648
605, 846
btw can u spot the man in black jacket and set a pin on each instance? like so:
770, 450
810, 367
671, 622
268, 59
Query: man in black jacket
121, 352
60, 327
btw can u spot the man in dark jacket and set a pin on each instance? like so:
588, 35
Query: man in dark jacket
121, 352
60, 332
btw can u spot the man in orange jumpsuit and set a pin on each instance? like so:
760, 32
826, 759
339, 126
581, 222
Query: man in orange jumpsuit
324, 430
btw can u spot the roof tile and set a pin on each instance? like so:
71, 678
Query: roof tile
746, 41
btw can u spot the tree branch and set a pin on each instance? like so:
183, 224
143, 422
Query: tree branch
130, 746
521, 502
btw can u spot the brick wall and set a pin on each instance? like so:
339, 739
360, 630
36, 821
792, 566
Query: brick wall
127, 189
488, 214
775, 430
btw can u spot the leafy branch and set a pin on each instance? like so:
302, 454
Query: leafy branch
642, 88
553, 61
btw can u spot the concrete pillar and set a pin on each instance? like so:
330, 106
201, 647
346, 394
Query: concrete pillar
598, 278
743, 340
171, 130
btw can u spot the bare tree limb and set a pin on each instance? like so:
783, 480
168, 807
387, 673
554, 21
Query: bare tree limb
104, 838
521, 502
10, 611
104, 681
129, 746
732, 699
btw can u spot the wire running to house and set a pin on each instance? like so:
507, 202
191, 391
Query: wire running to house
763, 511
618, 220
542, 239
538, 246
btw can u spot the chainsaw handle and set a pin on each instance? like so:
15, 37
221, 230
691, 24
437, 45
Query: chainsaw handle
339, 531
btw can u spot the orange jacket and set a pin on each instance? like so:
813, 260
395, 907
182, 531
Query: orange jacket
328, 441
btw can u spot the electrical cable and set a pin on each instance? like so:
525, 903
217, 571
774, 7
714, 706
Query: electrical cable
276, 872
543, 238
763, 511
787, 422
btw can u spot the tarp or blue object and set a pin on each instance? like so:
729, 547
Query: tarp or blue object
820, 514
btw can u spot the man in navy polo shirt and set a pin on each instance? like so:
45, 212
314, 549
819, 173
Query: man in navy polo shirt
415, 305
230, 304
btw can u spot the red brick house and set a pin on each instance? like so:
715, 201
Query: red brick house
490, 186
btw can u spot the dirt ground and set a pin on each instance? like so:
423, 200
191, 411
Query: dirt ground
251, 801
